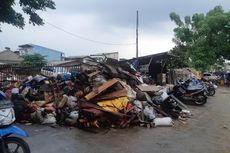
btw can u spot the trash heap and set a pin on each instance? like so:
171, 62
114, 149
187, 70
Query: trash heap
99, 95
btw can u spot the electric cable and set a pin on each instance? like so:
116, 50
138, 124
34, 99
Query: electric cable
87, 39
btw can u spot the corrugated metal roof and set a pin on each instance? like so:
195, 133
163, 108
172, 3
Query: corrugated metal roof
155, 57
10, 57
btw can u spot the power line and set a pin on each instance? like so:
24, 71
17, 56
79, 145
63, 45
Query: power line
87, 39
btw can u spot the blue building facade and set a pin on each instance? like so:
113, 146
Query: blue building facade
49, 54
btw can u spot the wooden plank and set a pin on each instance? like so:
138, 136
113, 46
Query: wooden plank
113, 95
93, 73
100, 89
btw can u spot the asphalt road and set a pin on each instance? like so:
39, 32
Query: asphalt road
207, 131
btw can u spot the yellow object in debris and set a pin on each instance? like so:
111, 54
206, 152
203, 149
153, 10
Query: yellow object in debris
94, 124
115, 105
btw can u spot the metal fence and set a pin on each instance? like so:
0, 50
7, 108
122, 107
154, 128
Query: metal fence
55, 70
17, 73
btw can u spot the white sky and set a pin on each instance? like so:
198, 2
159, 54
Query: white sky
109, 21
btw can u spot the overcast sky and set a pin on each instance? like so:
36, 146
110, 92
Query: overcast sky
108, 21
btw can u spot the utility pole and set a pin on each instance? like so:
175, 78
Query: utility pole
137, 36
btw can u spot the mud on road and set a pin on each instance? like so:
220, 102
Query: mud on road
207, 131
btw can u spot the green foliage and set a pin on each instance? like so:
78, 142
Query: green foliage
10, 16
201, 39
34, 60
180, 52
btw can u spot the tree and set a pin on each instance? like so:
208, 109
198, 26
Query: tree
10, 16
203, 39
34, 60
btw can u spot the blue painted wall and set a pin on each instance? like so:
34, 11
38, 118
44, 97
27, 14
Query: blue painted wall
50, 54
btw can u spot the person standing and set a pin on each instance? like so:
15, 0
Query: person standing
228, 79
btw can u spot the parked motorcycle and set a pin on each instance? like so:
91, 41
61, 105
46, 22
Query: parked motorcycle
186, 93
210, 88
9, 143
12, 144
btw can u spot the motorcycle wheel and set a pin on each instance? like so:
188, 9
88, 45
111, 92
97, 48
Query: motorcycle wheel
201, 100
16, 145
211, 92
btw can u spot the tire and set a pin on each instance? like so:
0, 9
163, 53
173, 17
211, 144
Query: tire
200, 100
20, 143
211, 92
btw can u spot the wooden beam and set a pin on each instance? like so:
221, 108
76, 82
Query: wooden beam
100, 89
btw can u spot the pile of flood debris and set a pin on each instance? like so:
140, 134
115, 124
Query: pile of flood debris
99, 95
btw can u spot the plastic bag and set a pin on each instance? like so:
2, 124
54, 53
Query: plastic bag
49, 119
149, 112
138, 104
7, 116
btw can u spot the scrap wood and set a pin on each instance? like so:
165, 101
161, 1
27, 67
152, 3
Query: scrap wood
125, 123
120, 115
111, 70
40, 103
100, 89
113, 95
115, 113
63, 101
160, 111
86, 105
96, 113
111, 61
93, 73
